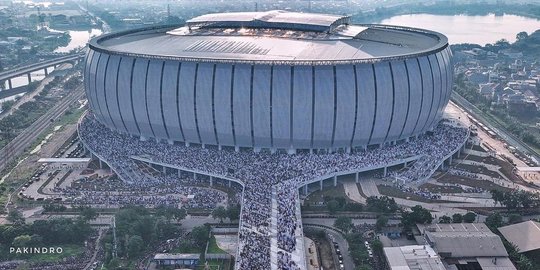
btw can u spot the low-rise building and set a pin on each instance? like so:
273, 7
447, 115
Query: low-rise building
418, 257
466, 246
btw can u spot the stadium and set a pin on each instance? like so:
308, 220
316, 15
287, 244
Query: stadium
197, 104
270, 80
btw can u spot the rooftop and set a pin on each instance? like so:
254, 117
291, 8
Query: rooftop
525, 235
418, 257
275, 37
464, 240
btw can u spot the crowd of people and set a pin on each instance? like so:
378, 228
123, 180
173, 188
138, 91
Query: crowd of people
151, 191
260, 172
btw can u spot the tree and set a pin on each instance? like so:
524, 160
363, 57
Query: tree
377, 246
470, 217
418, 215
219, 213
135, 246
15, 217
88, 213
200, 235
381, 222
343, 223
445, 219
233, 212
494, 221
457, 218
333, 206
522, 36
514, 218
21, 240
497, 196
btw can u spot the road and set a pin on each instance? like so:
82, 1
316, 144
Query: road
19, 144
497, 128
8, 74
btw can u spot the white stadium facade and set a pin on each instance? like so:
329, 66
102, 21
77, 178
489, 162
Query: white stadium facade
270, 80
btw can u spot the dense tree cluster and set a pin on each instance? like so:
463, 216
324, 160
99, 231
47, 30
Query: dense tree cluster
53, 232
514, 200
417, 215
381, 204
137, 229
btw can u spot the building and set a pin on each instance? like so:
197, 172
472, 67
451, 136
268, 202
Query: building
466, 246
417, 257
272, 80
177, 260
525, 235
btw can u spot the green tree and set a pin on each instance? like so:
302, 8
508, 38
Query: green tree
457, 218
233, 212
333, 206
22, 240
418, 215
344, 224
219, 213
514, 218
377, 246
494, 221
15, 217
200, 235
445, 219
522, 36
135, 246
470, 217
381, 222
88, 213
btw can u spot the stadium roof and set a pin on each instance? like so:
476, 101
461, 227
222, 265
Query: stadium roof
525, 235
274, 37
271, 19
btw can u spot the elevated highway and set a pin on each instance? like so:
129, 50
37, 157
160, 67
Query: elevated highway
16, 72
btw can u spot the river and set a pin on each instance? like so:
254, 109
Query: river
469, 29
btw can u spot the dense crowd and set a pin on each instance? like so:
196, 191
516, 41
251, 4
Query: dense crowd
260, 172
151, 191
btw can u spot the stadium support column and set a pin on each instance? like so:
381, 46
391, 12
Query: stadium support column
211, 180
100, 164
305, 189
321, 183
237, 148
385, 171
357, 177
46, 72
164, 169
194, 176
10, 85
335, 180
179, 173
450, 161
29, 77
230, 183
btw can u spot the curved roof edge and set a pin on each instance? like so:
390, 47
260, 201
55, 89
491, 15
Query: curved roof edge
441, 45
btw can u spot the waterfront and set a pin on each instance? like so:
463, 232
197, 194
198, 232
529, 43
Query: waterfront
469, 29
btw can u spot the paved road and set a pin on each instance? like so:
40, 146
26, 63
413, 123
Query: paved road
351, 189
19, 144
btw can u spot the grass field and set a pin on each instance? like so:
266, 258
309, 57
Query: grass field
213, 247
